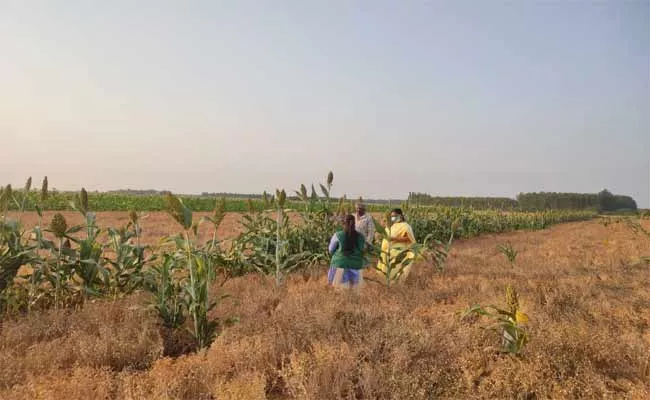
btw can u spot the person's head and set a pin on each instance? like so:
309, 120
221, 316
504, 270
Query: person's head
396, 215
348, 223
361, 208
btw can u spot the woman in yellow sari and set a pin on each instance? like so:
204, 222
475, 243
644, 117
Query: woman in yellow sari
401, 237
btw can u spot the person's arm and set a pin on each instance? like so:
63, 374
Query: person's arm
402, 239
394, 238
371, 232
407, 237
411, 234
334, 244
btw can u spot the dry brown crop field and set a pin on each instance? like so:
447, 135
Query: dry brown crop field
582, 285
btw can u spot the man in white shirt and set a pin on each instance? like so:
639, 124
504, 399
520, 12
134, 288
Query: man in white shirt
364, 223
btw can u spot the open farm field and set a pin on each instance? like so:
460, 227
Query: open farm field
316, 200
583, 286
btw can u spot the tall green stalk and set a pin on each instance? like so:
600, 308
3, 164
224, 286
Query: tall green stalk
278, 248
21, 206
279, 237
196, 292
33, 279
37, 266
57, 290
58, 226
193, 285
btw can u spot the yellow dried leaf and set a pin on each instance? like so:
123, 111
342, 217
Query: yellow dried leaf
521, 317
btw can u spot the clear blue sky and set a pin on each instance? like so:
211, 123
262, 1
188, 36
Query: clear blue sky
446, 97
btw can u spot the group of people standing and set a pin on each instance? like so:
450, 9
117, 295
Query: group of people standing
349, 247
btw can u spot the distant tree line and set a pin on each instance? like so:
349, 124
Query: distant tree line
502, 203
603, 201
559, 201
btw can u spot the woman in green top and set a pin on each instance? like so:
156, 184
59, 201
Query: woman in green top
347, 247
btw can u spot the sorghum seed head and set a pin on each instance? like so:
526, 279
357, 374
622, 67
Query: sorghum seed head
219, 211
28, 185
44, 189
265, 198
282, 197
133, 217
59, 225
512, 298
84, 200
175, 208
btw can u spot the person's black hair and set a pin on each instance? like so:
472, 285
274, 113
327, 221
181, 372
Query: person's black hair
351, 235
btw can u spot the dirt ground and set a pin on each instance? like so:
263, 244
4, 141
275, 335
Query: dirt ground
155, 225
583, 286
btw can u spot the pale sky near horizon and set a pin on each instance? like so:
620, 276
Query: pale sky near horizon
462, 97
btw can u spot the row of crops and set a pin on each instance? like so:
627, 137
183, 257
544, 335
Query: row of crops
154, 201
97, 201
100, 201
60, 201
68, 265
438, 221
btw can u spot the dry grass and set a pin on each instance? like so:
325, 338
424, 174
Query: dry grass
580, 283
